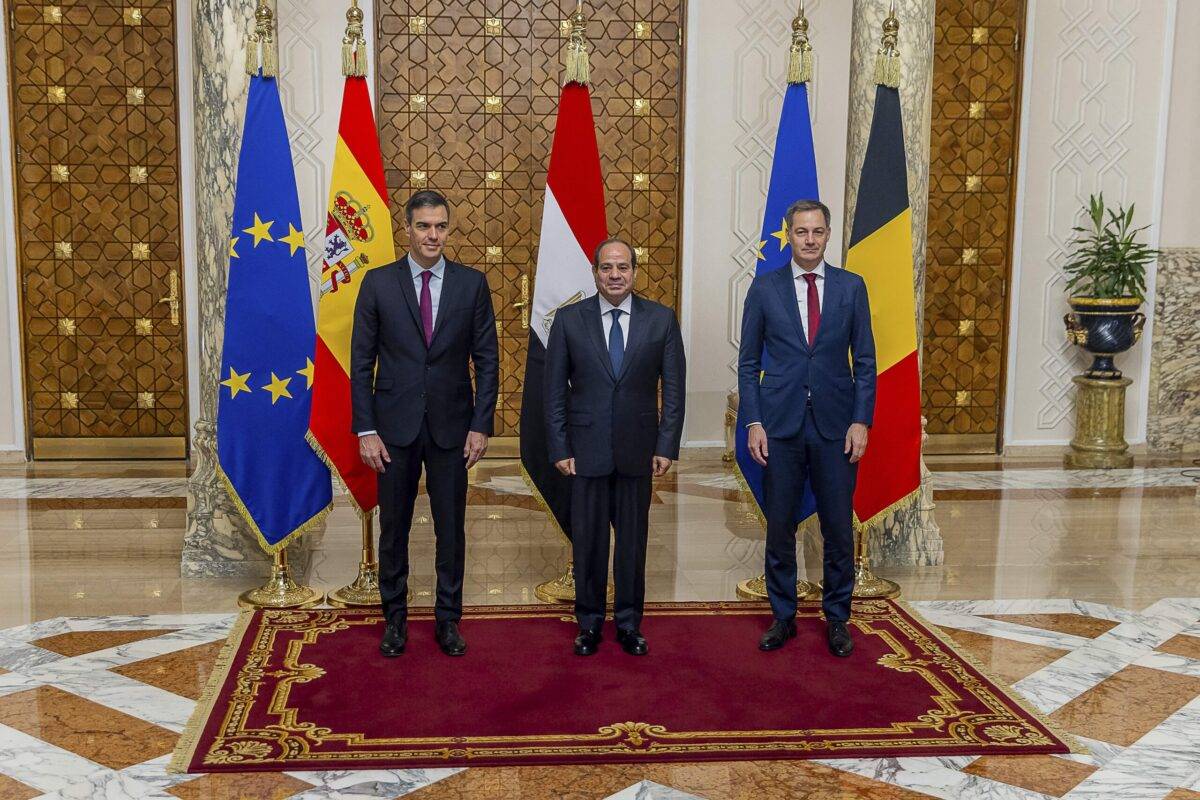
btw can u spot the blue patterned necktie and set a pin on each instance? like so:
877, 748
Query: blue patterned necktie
616, 342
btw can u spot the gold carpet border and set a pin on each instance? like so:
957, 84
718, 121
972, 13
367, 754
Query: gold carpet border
189, 740
621, 738
1067, 738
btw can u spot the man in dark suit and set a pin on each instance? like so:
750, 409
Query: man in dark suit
419, 322
808, 413
606, 357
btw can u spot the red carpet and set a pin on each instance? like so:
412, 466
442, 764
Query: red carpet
307, 690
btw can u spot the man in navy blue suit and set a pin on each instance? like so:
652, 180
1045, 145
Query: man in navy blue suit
806, 380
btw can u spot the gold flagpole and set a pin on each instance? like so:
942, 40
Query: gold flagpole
280, 590
800, 70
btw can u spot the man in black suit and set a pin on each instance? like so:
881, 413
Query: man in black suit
420, 321
808, 413
606, 357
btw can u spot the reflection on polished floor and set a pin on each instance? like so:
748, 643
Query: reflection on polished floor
1079, 588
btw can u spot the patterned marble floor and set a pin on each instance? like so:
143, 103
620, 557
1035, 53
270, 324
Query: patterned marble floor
104, 649
92, 707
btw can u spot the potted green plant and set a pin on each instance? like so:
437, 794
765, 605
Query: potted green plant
1106, 281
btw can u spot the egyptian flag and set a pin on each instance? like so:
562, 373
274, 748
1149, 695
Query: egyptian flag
358, 237
573, 224
881, 247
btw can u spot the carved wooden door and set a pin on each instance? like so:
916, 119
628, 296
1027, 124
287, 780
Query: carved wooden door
98, 223
467, 95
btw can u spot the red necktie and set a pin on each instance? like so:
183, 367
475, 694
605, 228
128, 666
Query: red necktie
814, 307
427, 306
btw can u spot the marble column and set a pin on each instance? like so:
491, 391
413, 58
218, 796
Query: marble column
1173, 417
217, 541
911, 536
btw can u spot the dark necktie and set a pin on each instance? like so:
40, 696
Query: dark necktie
814, 307
426, 306
616, 342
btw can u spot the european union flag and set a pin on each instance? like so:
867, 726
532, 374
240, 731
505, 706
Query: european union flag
793, 177
276, 480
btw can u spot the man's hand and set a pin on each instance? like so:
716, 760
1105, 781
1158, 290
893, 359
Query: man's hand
856, 441
661, 465
372, 451
475, 447
566, 466
757, 441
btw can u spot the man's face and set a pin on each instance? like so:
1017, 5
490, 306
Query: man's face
808, 235
427, 231
615, 273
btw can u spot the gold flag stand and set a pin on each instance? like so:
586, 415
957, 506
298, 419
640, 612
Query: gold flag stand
562, 588
280, 590
363, 592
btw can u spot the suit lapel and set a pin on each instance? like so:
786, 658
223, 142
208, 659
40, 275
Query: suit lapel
787, 293
635, 332
831, 301
410, 295
450, 284
595, 329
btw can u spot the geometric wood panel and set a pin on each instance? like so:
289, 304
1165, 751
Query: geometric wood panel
467, 92
98, 219
973, 151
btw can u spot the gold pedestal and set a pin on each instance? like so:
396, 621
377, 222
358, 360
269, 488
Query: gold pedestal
364, 591
756, 589
562, 588
1099, 441
280, 591
868, 585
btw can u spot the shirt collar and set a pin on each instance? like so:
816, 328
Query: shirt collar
437, 269
626, 304
797, 272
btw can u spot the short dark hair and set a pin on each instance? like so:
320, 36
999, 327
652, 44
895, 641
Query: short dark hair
614, 240
426, 198
808, 205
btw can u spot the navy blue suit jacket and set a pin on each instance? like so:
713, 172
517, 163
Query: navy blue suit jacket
771, 324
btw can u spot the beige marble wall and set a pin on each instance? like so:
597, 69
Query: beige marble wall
1174, 410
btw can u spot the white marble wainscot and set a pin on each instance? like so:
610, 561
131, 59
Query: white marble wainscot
1065, 479
26, 488
1173, 415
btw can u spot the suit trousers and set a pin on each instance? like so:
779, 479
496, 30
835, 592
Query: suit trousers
623, 502
446, 482
790, 462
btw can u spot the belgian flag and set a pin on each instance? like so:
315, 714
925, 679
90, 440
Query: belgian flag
881, 251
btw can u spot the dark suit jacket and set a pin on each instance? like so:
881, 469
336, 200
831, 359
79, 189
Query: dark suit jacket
610, 423
771, 323
414, 382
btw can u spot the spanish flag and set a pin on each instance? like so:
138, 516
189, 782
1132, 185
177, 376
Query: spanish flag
358, 237
881, 247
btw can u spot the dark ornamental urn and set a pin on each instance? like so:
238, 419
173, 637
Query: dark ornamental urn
1104, 326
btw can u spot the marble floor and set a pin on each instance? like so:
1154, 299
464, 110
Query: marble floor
1078, 588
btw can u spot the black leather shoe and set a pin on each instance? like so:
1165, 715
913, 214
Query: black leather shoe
450, 640
395, 636
840, 643
587, 642
632, 642
777, 635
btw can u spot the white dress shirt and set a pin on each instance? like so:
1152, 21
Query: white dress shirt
606, 318
802, 292
435, 291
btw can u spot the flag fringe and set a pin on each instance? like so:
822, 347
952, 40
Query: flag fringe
271, 549
1068, 739
902, 504
805, 525
185, 748
541, 501
337, 475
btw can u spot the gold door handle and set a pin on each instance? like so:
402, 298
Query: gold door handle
172, 298
524, 303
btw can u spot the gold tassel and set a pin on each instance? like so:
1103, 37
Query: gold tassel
887, 60
270, 57
252, 54
800, 55
260, 43
577, 67
354, 46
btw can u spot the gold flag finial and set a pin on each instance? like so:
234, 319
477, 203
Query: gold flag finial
263, 36
577, 68
800, 57
354, 44
887, 61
